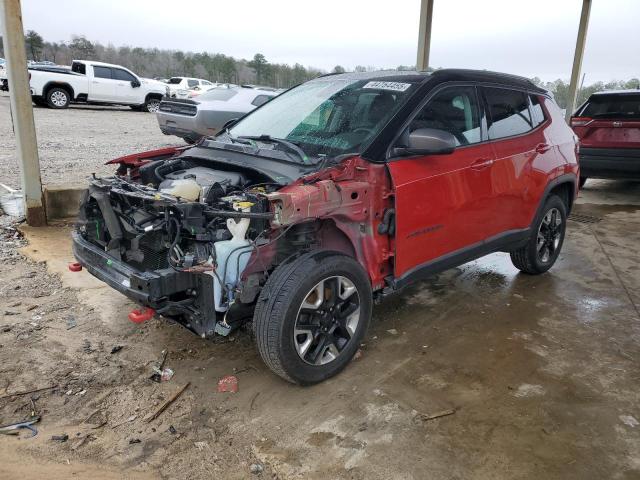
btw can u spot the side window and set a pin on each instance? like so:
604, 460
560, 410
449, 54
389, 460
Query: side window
260, 100
204, 82
192, 83
455, 110
101, 72
537, 113
508, 113
122, 75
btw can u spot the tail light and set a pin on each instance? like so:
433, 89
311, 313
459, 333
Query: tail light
580, 121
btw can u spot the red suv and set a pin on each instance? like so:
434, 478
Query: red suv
340, 191
608, 125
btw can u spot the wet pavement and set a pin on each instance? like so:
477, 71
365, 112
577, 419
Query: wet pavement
542, 374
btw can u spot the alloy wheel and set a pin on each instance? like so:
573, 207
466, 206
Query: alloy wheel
549, 235
153, 106
327, 320
59, 99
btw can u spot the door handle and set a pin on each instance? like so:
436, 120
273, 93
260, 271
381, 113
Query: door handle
543, 148
482, 163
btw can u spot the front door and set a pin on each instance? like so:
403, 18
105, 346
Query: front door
125, 91
444, 202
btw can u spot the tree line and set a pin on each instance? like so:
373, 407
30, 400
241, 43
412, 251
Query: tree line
217, 67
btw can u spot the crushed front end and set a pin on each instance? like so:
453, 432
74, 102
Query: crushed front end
162, 233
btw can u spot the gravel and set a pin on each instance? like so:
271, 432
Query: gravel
76, 142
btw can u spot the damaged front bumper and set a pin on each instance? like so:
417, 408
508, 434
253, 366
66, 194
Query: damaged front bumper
180, 295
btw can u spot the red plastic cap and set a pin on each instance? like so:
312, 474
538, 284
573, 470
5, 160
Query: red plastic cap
228, 383
141, 315
75, 267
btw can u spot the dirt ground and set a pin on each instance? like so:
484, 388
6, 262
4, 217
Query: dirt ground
75, 143
542, 373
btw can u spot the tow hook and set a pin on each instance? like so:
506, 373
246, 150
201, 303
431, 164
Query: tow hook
140, 315
75, 267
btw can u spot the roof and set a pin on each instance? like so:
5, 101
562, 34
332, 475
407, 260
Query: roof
444, 74
634, 91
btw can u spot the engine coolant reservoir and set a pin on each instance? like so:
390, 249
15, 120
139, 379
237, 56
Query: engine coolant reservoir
186, 188
232, 257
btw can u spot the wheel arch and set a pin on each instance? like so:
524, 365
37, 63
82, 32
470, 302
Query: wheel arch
564, 186
151, 95
65, 86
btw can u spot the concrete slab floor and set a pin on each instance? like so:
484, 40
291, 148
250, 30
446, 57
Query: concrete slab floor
543, 374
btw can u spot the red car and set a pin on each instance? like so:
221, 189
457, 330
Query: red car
340, 191
608, 125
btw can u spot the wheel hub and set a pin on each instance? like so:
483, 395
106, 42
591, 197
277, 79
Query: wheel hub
327, 320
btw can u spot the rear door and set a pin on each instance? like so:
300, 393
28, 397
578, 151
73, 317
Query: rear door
444, 202
609, 121
521, 147
102, 87
125, 92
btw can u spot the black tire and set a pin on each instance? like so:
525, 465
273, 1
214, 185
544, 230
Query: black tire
39, 101
151, 105
58, 98
531, 258
583, 180
280, 306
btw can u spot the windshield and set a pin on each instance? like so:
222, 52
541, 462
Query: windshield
328, 116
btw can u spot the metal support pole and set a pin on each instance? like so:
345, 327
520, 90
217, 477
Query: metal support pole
424, 35
22, 110
577, 58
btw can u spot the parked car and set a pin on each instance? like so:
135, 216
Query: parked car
4, 83
182, 87
206, 115
608, 125
95, 83
343, 189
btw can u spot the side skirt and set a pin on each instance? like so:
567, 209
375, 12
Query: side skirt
503, 242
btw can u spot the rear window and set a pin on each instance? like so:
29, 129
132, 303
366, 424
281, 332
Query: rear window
509, 112
79, 68
192, 83
537, 113
174, 81
219, 94
101, 72
610, 106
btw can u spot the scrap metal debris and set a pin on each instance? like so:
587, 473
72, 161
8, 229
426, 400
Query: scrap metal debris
116, 349
160, 373
18, 394
14, 428
60, 438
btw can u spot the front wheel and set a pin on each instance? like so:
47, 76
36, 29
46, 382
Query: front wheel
545, 243
312, 315
152, 105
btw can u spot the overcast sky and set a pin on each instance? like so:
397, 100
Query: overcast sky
532, 38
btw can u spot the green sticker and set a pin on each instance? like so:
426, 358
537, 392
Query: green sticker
109, 262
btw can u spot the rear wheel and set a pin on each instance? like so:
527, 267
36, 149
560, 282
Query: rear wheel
312, 315
58, 98
545, 243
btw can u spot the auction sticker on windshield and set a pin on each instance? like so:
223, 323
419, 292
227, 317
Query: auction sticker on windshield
395, 86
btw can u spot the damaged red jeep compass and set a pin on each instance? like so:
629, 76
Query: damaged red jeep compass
340, 191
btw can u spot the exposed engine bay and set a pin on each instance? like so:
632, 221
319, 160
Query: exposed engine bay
181, 217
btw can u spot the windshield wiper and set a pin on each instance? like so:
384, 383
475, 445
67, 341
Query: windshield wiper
280, 141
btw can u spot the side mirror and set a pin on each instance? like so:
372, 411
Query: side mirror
135, 83
428, 141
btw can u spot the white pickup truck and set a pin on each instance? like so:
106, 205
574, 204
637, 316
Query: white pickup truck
95, 83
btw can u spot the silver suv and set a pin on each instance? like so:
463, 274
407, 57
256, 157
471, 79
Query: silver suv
207, 115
